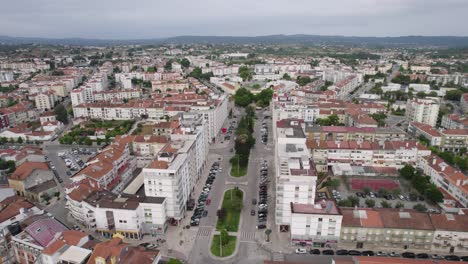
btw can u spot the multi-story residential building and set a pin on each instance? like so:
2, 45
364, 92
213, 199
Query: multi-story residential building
297, 212
451, 233
420, 68
345, 86
66, 247
451, 181
454, 121
417, 129
31, 241
316, 225
6, 76
45, 101
280, 68
173, 175
348, 157
215, 113
295, 179
129, 215
169, 85
120, 111
464, 102
423, 111
454, 139
340, 133
111, 169
446, 139
386, 228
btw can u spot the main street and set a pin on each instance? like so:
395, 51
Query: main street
247, 248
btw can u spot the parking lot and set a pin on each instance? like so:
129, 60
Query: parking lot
401, 196
66, 161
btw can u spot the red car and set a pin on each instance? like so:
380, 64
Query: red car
208, 201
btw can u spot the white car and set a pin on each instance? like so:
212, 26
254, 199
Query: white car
394, 254
381, 253
301, 251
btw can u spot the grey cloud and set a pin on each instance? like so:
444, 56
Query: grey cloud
157, 18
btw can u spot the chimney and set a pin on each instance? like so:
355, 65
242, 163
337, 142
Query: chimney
434, 161
458, 182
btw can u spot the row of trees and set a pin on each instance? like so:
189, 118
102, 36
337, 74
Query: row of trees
331, 120
198, 74
244, 140
421, 183
244, 97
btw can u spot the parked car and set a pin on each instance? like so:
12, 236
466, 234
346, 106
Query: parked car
354, 253
301, 251
452, 258
328, 252
254, 201
408, 255
422, 256
314, 251
369, 253
342, 252
252, 212
381, 254
261, 226
394, 254
435, 256
205, 213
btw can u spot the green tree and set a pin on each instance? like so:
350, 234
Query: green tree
399, 205
243, 97
88, 141
370, 203
303, 80
263, 98
407, 172
224, 237
382, 192
367, 190
168, 65
420, 207
245, 73
185, 63
4, 140
434, 194
453, 95
61, 113
385, 204
286, 77
151, 69
19, 140
196, 73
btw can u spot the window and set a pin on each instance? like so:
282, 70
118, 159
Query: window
319, 233
307, 226
297, 189
320, 219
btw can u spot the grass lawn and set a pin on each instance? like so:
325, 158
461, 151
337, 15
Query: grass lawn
231, 220
227, 250
242, 171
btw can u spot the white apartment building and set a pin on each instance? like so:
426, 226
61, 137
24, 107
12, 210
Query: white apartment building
265, 69
295, 179
6, 76
316, 225
391, 87
451, 233
392, 154
130, 215
308, 113
121, 111
169, 85
420, 68
423, 110
117, 95
45, 101
215, 113
419, 87
452, 181
169, 176
345, 86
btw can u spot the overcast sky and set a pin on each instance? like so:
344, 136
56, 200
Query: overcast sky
124, 19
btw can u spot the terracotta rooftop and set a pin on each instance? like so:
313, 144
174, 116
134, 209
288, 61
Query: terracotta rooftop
450, 222
26, 168
321, 207
405, 219
15, 204
361, 217
140, 255
108, 250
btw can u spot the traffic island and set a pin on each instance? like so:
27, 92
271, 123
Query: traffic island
229, 214
223, 247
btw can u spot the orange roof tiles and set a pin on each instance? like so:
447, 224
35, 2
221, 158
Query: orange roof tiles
25, 169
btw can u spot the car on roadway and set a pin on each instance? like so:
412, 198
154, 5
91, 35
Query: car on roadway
252, 212
205, 213
314, 251
261, 226
301, 251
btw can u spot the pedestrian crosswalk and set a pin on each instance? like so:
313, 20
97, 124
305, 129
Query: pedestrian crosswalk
247, 236
204, 232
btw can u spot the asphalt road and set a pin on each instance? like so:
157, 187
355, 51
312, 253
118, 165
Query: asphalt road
247, 251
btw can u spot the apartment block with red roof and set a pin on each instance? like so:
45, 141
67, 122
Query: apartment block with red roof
447, 178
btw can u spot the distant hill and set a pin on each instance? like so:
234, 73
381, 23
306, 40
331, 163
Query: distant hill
405, 41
